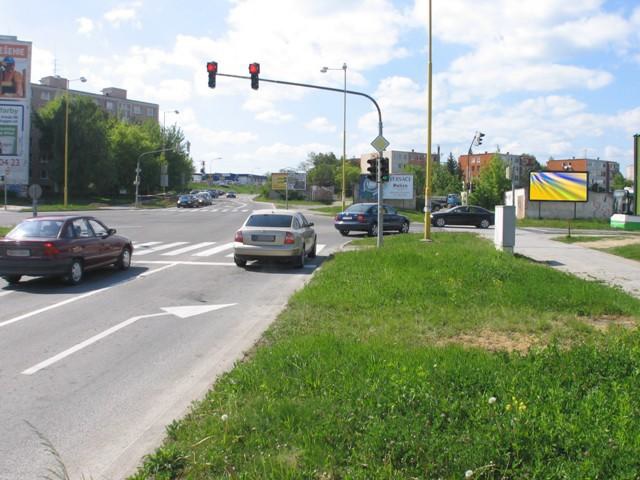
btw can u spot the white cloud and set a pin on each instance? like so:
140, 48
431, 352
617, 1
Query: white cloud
85, 25
123, 14
320, 125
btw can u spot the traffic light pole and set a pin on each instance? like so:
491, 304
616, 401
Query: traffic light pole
342, 91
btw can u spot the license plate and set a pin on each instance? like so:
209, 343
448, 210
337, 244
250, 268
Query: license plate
18, 253
347, 218
263, 238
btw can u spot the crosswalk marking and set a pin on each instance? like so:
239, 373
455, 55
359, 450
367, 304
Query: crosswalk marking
159, 248
145, 244
320, 247
188, 248
214, 250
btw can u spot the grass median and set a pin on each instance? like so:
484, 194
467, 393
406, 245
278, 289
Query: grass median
439, 360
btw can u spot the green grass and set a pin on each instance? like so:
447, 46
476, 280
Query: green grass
628, 251
371, 372
582, 238
4, 231
583, 224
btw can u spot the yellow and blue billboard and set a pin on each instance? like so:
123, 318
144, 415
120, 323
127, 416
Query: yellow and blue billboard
559, 186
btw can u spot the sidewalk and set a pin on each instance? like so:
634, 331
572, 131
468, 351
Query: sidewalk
583, 262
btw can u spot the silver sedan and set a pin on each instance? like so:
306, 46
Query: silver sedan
275, 234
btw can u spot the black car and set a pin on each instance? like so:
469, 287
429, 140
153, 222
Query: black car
187, 201
363, 217
463, 215
64, 246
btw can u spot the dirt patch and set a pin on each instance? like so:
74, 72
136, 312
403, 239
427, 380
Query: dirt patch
495, 341
610, 242
607, 321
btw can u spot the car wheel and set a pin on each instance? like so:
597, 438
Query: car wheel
76, 272
312, 253
239, 261
373, 230
344, 233
299, 261
12, 279
484, 223
405, 227
440, 222
124, 260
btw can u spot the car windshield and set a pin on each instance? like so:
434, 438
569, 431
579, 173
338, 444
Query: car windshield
357, 208
36, 229
185, 197
269, 220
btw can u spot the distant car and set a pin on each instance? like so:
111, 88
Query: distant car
187, 201
203, 199
363, 217
463, 215
275, 234
64, 246
213, 193
231, 194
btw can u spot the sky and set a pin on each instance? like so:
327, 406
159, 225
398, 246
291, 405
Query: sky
551, 78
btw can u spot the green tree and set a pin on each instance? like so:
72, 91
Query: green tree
489, 188
323, 169
352, 177
89, 160
452, 165
618, 182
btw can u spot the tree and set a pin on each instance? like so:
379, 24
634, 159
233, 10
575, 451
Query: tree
489, 188
618, 182
452, 165
323, 171
352, 176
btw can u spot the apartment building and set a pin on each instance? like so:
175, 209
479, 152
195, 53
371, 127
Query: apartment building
601, 172
399, 160
113, 100
471, 165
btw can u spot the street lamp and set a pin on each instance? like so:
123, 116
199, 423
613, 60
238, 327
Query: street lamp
66, 139
137, 180
477, 140
344, 129
211, 168
164, 117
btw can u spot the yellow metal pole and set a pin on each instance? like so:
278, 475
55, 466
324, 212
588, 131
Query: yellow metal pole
344, 138
427, 183
66, 148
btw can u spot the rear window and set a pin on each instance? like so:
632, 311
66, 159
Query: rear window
36, 229
358, 208
268, 220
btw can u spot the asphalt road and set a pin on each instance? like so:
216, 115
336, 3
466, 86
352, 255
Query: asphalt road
101, 368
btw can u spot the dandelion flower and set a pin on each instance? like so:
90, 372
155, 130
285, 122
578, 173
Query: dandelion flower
224, 417
468, 474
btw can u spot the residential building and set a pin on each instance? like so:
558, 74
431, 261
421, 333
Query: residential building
113, 100
472, 165
399, 160
601, 172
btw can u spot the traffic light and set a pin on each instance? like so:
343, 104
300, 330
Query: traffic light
384, 169
212, 69
480, 136
372, 169
254, 70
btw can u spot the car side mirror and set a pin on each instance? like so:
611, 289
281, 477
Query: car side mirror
310, 224
111, 231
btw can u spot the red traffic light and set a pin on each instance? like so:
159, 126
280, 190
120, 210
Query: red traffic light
212, 67
254, 68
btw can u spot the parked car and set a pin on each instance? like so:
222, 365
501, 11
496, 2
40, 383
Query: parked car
463, 215
64, 246
363, 217
231, 194
275, 234
187, 201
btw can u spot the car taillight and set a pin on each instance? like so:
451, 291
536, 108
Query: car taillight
361, 219
238, 237
289, 238
50, 249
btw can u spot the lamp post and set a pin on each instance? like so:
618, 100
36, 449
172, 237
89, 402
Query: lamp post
137, 180
164, 118
427, 166
344, 129
211, 168
477, 140
66, 139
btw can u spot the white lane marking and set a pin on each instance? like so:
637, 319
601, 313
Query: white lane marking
146, 244
188, 249
214, 250
6, 292
245, 210
86, 343
159, 248
80, 297
225, 210
151, 272
320, 247
215, 210
231, 255
205, 264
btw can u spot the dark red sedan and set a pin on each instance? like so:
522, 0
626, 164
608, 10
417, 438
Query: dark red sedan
64, 246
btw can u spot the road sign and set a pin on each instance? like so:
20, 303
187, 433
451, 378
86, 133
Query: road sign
35, 191
380, 143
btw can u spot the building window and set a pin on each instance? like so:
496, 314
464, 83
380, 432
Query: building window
44, 175
45, 95
137, 110
150, 112
110, 105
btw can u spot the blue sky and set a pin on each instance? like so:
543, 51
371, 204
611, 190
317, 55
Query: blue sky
552, 78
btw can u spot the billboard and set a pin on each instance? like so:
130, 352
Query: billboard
559, 186
15, 106
295, 181
399, 187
